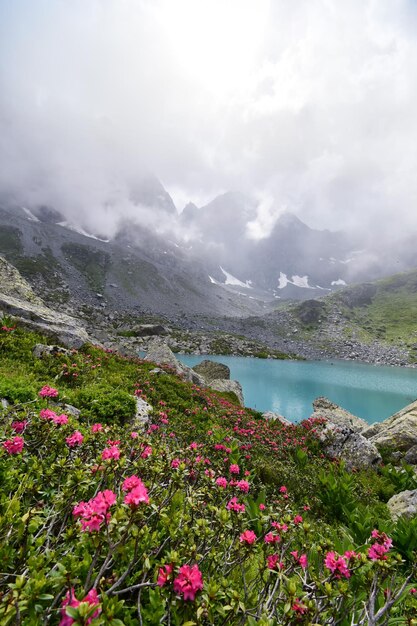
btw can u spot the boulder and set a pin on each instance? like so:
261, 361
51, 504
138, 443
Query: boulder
341, 442
397, 433
212, 370
41, 350
403, 504
270, 416
335, 414
143, 411
228, 385
149, 330
160, 353
410, 456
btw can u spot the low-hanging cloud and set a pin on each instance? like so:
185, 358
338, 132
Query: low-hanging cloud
307, 105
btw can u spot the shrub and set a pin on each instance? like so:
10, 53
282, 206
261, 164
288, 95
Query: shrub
105, 404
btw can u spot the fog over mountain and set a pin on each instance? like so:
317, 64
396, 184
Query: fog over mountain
303, 107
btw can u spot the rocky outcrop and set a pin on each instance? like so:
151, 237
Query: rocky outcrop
41, 350
272, 417
341, 442
17, 299
143, 412
212, 370
403, 504
159, 352
337, 415
398, 433
232, 386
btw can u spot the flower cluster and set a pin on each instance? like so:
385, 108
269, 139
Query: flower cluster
96, 511
48, 414
137, 491
70, 600
48, 392
188, 582
379, 549
14, 446
75, 439
337, 564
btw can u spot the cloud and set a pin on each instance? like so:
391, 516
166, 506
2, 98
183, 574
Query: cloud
308, 105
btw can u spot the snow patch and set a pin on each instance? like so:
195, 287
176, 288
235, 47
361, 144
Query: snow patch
80, 231
232, 280
30, 215
339, 281
297, 281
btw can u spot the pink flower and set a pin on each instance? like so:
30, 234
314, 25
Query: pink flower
298, 519
137, 495
75, 439
19, 427
337, 564
188, 582
283, 489
221, 482
14, 446
96, 428
175, 463
248, 536
111, 453
233, 505
301, 560
71, 600
271, 538
378, 550
299, 608
48, 392
47, 414
243, 485
60, 420
262, 507
234, 469
274, 562
131, 482
146, 453
134, 435
164, 575
96, 511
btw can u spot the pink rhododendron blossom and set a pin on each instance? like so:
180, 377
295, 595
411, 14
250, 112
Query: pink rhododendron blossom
297, 520
274, 562
19, 427
14, 446
175, 463
378, 550
60, 420
96, 511
221, 482
164, 575
48, 392
71, 600
75, 439
234, 469
301, 560
188, 582
337, 564
131, 482
96, 428
111, 453
298, 607
233, 505
137, 495
262, 507
283, 489
134, 435
147, 452
47, 414
243, 485
272, 538
248, 536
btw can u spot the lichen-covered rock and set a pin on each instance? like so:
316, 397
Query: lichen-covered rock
410, 456
271, 416
143, 411
18, 299
160, 353
41, 350
229, 385
397, 433
340, 442
212, 370
337, 415
403, 504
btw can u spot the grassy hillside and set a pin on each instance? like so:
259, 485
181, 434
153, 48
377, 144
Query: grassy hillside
206, 514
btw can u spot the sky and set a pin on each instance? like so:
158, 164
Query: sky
309, 106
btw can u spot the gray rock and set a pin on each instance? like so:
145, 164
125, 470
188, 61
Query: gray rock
229, 385
323, 407
41, 350
343, 443
398, 432
143, 411
149, 330
212, 370
159, 352
271, 416
403, 504
411, 456
4, 403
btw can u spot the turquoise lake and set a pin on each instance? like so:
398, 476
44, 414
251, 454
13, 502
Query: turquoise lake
289, 387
